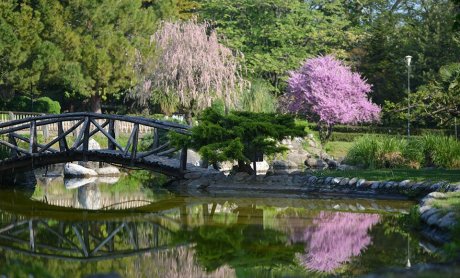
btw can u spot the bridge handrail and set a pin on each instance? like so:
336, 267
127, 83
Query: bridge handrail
53, 118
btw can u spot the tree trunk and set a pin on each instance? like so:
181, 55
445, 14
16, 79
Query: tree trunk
244, 167
95, 103
188, 117
325, 131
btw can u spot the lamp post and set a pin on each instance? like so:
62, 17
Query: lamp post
408, 264
408, 60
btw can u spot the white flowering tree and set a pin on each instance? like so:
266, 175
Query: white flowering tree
192, 68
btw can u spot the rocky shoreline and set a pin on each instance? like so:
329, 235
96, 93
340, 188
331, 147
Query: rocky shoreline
438, 222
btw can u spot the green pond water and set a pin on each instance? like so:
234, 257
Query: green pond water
85, 227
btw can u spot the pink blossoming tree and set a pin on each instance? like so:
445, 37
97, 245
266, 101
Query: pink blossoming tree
330, 93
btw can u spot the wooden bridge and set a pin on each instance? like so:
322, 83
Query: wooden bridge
28, 149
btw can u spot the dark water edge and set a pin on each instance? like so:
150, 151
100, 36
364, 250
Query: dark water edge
132, 230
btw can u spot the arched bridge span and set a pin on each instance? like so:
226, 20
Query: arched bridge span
49, 139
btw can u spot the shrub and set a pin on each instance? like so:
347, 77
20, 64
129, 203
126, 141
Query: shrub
47, 105
41, 105
364, 152
413, 153
240, 136
384, 130
19, 103
345, 137
446, 152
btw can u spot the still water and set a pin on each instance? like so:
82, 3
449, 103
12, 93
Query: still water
84, 227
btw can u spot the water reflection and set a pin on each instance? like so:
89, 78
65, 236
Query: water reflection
334, 238
203, 236
77, 248
94, 193
88, 240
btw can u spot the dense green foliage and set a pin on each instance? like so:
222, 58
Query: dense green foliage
88, 53
47, 105
276, 35
24, 103
239, 135
436, 102
422, 29
80, 51
390, 152
234, 245
372, 36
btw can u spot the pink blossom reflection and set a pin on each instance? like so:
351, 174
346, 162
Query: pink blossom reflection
334, 238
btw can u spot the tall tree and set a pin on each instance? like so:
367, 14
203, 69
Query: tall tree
276, 35
99, 40
21, 48
436, 103
422, 29
78, 51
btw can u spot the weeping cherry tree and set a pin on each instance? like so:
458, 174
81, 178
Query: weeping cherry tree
192, 68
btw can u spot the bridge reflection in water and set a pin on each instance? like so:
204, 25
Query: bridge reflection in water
88, 241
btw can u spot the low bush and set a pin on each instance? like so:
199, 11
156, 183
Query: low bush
239, 136
446, 152
47, 105
24, 104
19, 103
373, 151
345, 137
365, 152
385, 130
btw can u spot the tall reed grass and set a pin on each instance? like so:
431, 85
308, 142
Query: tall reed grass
373, 151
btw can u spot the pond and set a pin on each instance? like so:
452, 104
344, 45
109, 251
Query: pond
83, 227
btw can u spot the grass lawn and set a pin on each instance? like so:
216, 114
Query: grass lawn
397, 174
451, 203
338, 149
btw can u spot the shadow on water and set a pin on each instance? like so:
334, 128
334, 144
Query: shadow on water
80, 228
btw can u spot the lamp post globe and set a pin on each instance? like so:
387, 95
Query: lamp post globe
408, 59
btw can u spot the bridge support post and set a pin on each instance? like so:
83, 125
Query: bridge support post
111, 145
62, 142
13, 142
156, 138
183, 159
86, 134
135, 137
33, 138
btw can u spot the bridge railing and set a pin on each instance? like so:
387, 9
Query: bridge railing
121, 127
6, 116
73, 131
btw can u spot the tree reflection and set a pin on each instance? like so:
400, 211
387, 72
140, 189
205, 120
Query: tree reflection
334, 238
245, 243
